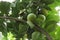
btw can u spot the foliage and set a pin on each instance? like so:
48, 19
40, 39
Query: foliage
16, 22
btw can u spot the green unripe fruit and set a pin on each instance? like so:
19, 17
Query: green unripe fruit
30, 24
31, 17
41, 18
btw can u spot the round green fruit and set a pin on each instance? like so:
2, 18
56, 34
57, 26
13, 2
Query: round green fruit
31, 17
41, 18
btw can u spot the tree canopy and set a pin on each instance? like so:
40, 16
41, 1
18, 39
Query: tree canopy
33, 19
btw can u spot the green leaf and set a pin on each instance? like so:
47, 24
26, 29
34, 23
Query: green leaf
37, 36
50, 26
52, 17
22, 29
4, 7
47, 1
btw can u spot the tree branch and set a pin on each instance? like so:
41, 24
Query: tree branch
43, 31
36, 26
12, 18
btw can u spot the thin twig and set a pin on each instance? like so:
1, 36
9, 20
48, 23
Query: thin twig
12, 18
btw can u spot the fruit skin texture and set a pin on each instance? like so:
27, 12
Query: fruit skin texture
31, 18
41, 18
